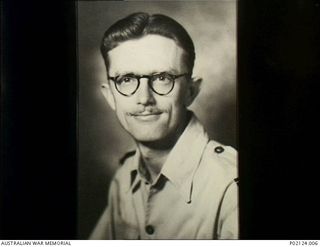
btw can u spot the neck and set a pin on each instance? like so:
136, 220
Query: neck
154, 154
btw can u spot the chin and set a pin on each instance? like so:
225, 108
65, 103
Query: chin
152, 131
145, 137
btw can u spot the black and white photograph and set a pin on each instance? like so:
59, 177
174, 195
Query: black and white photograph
157, 120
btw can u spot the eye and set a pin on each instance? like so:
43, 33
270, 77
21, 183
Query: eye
127, 79
161, 78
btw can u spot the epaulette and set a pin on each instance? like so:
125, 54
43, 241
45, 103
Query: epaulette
126, 156
227, 153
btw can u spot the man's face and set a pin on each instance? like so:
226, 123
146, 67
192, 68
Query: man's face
146, 115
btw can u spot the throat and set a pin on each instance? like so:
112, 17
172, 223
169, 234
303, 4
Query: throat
155, 154
153, 161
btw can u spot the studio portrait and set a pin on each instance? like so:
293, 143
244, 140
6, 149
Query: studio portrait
157, 124
159, 120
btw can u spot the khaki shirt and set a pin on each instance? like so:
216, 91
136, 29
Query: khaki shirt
194, 197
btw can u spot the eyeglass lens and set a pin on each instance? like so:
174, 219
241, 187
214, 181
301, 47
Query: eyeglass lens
160, 83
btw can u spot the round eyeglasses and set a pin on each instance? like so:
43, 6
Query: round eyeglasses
160, 83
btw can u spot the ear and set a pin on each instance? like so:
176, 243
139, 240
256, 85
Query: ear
108, 95
193, 90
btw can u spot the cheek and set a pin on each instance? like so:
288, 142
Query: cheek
178, 101
123, 106
175, 106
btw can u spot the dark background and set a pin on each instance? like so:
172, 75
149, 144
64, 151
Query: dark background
38, 121
278, 87
102, 142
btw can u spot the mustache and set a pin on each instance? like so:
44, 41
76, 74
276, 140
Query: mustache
145, 112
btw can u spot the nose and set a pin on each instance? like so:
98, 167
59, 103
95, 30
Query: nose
144, 93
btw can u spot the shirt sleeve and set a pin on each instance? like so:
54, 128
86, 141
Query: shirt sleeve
104, 227
229, 221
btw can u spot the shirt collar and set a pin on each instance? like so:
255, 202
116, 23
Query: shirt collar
182, 161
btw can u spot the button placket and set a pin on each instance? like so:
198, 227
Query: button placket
149, 228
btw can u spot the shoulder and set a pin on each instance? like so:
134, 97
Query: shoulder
225, 154
126, 157
216, 174
122, 175
220, 162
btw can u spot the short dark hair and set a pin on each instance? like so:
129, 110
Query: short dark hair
141, 24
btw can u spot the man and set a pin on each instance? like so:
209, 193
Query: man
177, 184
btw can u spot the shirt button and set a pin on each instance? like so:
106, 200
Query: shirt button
219, 149
149, 229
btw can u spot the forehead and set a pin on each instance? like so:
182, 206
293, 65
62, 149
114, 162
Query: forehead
149, 54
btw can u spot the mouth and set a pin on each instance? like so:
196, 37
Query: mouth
146, 116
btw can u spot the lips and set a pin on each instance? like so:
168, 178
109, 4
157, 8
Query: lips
146, 116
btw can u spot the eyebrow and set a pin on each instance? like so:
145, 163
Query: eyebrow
122, 73
170, 71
